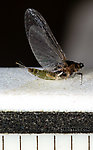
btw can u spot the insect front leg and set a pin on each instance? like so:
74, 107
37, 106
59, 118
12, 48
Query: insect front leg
81, 75
78, 73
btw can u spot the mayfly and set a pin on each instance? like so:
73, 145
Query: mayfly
47, 50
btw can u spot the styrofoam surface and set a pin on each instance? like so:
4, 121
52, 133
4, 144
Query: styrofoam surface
20, 90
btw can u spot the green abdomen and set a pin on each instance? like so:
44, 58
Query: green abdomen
44, 74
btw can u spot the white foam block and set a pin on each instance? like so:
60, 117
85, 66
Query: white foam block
22, 91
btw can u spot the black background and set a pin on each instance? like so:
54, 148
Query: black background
13, 42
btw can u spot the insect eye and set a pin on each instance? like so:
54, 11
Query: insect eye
81, 65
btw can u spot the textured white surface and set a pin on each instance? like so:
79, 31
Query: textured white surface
19, 90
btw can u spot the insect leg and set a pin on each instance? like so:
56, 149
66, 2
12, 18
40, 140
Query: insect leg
81, 75
60, 74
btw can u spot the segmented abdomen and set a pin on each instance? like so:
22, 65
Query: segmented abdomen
44, 74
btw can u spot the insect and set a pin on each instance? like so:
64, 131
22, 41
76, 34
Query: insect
47, 50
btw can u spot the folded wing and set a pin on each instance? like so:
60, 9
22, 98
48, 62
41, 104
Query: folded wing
43, 44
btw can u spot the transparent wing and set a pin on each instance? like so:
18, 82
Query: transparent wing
43, 44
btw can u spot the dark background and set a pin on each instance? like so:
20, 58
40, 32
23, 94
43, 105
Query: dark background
13, 42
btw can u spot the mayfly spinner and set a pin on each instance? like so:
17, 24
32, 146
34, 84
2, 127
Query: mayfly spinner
47, 50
